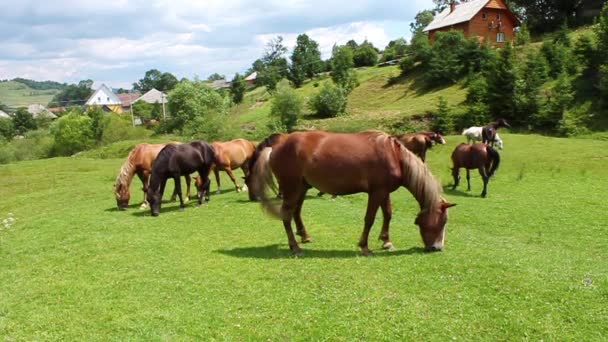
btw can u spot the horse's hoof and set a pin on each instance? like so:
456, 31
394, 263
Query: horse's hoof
297, 252
306, 239
143, 206
186, 200
219, 192
367, 253
388, 246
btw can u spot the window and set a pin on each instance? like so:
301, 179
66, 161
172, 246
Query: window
500, 37
498, 16
107, 99
99, 99
484, 16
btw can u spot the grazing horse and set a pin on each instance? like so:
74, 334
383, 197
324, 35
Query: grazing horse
488, 133
473, 134
419, 142
139, 162
476, 156
342, 163
174, 161
231, 155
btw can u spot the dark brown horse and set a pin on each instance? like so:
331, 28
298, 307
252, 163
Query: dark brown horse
231, 155
139, 162
174, 161
341, 164
476, 156
488, 132
420, 142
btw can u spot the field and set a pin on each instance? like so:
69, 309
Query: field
15, 94
527, 263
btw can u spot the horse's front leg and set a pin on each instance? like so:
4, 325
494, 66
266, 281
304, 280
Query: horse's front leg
216, 172
456, 175
468, 180
233, 179
484, 176
373, 202
387, 212
297, 217
144, 176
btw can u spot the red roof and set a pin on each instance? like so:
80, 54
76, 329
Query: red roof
127, 98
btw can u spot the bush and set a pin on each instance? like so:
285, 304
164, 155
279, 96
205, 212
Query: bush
72, 133
7, 129
7, 153
214, 127
441, 121
406, 64
365, 55
522, 37
286, 108
118, 128
23, 121
37, 144
329, 102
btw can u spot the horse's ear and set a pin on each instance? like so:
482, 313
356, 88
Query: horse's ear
446, 205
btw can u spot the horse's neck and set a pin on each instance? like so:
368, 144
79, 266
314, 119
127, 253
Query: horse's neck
419, 181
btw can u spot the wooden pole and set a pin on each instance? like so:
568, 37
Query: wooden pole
163, 101
132, 117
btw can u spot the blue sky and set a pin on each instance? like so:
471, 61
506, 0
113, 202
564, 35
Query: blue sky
116, 41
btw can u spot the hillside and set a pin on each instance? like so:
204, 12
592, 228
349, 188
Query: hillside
16, 94
382, 100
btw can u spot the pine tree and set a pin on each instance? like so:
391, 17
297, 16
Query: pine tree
501, 78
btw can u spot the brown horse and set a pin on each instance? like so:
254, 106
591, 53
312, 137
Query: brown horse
341, 164
488, 132
139, 162
270, 141
476, 156
420, 142
231, 155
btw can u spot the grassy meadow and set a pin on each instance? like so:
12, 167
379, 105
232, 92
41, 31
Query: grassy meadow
15, 94
527, 263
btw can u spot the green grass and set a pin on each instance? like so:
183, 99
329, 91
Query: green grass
527, 263
15, 94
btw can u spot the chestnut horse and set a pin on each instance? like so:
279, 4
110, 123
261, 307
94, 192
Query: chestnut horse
348, 163
139, 162
488, 132
174, 161
476, 156
270, 141
231, 155
419, 142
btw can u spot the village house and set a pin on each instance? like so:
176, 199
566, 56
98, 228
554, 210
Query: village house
251, 79
38, 110
490, 20
105, 99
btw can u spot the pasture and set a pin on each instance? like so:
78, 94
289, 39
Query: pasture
528, 262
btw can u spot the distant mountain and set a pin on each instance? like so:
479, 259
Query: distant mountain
41, 85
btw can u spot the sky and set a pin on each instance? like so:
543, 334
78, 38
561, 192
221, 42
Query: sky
116, 41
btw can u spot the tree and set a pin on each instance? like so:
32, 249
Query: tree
190, 100
522, 36
547, 15
422, 20
329, 102
73, 95
352, 45
237, 88
440, 5
365, 55
96, 115
286, 109
441, 119
154, 79
305, 60
395, 48
216, 77
421, 49
274, 65
72, 133
341, 67
7, 129
501, 77
527, 89
560, 100
23, 121
445, 64
601, 32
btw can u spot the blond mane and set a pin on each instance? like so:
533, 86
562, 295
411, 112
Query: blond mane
125, 175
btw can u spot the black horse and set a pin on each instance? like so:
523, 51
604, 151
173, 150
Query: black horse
176, 160
488, 132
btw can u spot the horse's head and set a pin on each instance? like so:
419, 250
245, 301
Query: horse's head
502, 123
438, 138
432, 226
248, 181
202, 188
154, 199
122, 196
498, 141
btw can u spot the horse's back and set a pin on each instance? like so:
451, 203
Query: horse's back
470, 156
336, 163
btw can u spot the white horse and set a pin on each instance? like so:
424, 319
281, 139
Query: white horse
473, 134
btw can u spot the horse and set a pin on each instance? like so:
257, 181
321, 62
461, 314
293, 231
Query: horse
139, 161
231, 155
419, 142
476, 156
488, 133
174, 161
347, 163
269, 141
473, 134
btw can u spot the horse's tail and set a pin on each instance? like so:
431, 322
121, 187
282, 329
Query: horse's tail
261, 180
495, 157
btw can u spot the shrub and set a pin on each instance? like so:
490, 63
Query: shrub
37, 144
441, 121
72, 133
522, 37
406, 64
286, 108
365, 55
23, 121
7, 153
329, 102
118, 128
7, 129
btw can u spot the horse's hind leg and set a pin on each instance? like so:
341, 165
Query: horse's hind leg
188, 181
145, 180
468, 180
290, 204
484, 176
387, 212
178, 190
456, 175
373, 202
297, 217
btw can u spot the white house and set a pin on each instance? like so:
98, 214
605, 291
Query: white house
153, 96
106, 99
